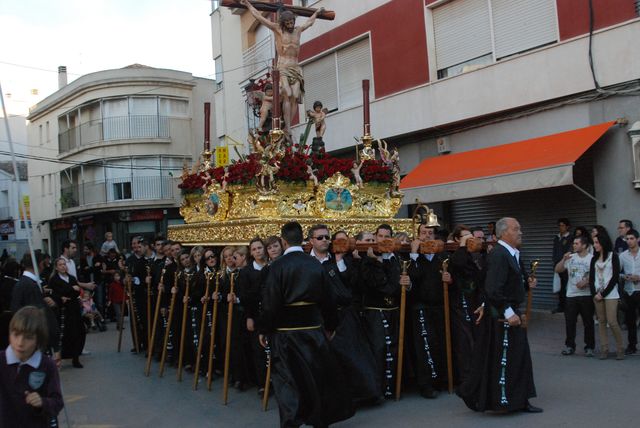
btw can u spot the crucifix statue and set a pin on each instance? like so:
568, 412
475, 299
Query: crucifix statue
287, 40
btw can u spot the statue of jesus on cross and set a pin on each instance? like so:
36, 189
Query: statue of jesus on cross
287, 39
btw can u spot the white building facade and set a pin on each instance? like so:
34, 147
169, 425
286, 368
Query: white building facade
107, 151
458, 76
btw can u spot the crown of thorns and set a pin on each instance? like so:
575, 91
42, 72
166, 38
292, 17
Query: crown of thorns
286, 15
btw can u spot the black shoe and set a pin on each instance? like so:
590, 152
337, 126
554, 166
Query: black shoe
557, 310
531, 409
630, 350
76, 364
428, 393
239, 386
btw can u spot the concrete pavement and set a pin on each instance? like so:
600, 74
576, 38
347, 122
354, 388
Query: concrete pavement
112, 391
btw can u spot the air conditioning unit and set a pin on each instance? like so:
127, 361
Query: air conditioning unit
444, 146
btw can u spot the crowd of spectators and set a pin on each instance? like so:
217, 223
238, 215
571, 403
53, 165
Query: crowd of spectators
601, 276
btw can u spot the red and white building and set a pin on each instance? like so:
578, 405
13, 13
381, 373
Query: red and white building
467, 89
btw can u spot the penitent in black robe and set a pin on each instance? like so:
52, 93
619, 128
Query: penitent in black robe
297, 307
350, 342
501, 374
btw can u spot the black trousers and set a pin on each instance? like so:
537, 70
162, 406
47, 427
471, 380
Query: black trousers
631, 316
582, 305
562, 296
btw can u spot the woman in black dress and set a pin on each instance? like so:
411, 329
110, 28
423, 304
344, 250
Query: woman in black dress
66, 293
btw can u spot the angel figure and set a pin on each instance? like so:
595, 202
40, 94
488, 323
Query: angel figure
267, 174
225, 178
395, 170
318, 115
356, 173
207, 180
384, 152
312, 175
266, 98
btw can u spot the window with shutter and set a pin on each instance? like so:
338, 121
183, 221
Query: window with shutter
354, 66
520, 25
471, 33
320, 83
462, 32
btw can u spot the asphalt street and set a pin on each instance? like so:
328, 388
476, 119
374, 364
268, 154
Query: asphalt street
112, 391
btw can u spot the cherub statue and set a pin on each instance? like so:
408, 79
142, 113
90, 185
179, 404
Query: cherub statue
356, 173
267, 103
225, 178
312, 175
207, 180
384, 152
318, 115
196, 167
266, 175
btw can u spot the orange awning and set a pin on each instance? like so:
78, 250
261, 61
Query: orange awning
525, 165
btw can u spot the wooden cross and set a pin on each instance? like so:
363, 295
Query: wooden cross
264, 6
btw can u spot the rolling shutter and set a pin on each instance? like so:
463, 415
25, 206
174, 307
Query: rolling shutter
462, 32
354, 65
537, 211
320, 83
520, 25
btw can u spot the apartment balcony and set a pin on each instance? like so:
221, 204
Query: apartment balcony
130, 127
127, 191
257, 57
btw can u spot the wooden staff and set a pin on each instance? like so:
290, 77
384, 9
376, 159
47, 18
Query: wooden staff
183, 328
167, 330
148, 306
203, 320
267, 382
156, 313
227, 350
534, 266
132, 312
212, 334
123, 305
447, 328
403, 310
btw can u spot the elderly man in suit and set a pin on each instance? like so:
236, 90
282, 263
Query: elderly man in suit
501, 375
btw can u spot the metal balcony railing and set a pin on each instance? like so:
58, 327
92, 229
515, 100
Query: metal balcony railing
114, 128
118, 189
257, 57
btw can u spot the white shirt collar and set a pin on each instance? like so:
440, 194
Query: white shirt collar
327, 257
257, 266
296, 248
509, 248
33, 361
31, 275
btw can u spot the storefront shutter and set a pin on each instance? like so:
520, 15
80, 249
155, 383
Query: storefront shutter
537, 211
462, 32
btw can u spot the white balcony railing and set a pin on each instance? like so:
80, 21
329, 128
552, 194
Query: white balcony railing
258, 57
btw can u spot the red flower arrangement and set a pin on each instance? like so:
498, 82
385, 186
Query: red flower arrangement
193, 183
377, 171
293, 168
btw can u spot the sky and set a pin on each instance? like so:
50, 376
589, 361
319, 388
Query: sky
37, 36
